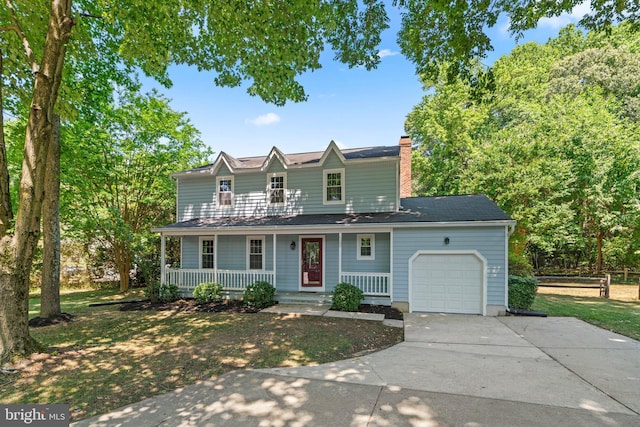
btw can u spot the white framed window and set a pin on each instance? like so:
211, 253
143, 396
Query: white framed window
255, 253
366, 246
277, 189
224, 191
333, 186
207, 252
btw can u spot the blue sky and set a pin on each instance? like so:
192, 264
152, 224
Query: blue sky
353, 107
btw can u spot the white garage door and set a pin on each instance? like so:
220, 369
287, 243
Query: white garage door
447, 283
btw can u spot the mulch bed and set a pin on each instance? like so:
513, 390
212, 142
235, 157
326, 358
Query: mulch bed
389, 312
191, 306
235, 306
38, 322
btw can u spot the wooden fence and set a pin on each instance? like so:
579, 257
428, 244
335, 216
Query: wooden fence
601, 283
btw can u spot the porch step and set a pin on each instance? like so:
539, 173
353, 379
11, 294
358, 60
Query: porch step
303, 298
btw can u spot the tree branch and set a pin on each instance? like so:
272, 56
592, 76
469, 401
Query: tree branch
25, 42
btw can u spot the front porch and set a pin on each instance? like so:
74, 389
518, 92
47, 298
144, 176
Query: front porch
375, 286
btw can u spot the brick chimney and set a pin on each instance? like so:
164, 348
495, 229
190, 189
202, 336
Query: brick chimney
405, 166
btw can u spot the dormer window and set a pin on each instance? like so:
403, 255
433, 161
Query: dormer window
277, 189
333, 188
224, 189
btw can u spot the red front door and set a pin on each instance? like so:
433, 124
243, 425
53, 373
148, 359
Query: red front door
312, 262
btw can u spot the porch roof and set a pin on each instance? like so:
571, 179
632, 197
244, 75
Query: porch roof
415, 210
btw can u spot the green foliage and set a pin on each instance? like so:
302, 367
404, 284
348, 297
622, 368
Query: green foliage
161, 293
522, 292
259, 294
455, 33
346, 297
208, 292
550, 134
519, 265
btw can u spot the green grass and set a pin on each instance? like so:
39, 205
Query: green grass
77, 302
622, 317
108, 358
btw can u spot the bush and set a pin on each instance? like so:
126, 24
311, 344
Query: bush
522, 292
259, 295
161, 293
346, 297
519, 265
208, 292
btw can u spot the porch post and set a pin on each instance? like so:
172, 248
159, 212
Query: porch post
340, 257
215, 258
274, 261
162, 259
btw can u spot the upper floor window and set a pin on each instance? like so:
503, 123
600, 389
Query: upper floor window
224, 190
207, 259
333, 187
255, 255
366, 246
277, 189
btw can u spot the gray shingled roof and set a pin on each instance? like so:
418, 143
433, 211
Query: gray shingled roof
306, 158
444, 209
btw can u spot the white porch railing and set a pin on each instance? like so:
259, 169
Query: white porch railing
232, 280
370, 283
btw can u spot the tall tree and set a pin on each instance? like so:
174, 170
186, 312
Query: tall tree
50, 286
124, 188
552, 139
268, 44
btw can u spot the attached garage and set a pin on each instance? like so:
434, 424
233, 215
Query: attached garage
447, 282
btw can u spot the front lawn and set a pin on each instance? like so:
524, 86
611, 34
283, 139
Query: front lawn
108, 358
620, 313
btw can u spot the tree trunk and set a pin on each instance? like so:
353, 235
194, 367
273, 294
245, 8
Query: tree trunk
599, 260
6, 211
50, 287
16, 252
123, 262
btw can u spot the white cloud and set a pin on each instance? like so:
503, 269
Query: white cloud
383, 53
565, 19
264, 120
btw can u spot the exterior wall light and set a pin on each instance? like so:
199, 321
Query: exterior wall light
293, 246
446, 240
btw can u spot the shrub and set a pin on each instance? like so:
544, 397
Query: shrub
522, 292
519, 265
259, 294
208, 292
346, 297
161, 293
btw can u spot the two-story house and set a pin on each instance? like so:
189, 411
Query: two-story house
306, 222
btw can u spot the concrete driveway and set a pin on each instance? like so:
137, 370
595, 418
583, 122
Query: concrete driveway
451, 370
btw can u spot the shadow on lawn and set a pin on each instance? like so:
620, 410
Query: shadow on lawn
108, 358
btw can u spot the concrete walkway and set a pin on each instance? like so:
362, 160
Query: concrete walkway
451, 370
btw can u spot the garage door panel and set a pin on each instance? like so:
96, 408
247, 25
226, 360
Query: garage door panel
451, 283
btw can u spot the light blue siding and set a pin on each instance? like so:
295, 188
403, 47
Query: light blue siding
287, 263
190, 252
488, 241
381, 262
369, 187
